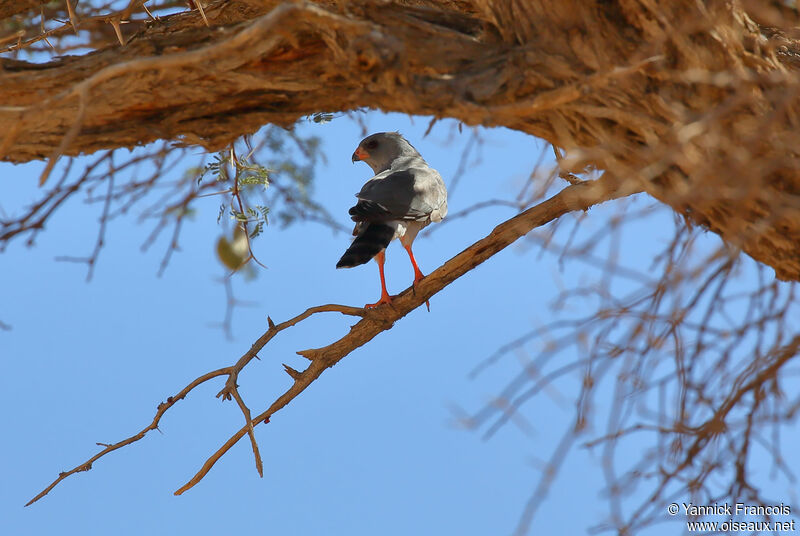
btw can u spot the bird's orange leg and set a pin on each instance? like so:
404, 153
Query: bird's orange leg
417, 272
380, 258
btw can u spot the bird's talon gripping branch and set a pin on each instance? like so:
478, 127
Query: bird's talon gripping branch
384, 299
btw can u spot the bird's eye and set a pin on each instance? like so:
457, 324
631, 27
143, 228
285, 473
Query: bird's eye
371, 144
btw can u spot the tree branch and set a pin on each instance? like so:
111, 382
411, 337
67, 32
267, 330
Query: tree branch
229, 390
374, 321
108, 448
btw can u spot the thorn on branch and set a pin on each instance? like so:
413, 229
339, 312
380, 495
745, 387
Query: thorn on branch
154, 19
73, 18
311, 355
271, 323
115, 23
291, 372
430, 127
199, 5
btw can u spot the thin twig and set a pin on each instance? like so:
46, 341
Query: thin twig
162, 408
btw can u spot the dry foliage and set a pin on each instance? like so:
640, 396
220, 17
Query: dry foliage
694, 103
695, 100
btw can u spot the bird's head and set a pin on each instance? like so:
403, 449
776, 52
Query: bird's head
381, 149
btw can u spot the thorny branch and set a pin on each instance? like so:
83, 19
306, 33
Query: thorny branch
229, 390
694, 358
144, 179
93, 23
373, 322
108, 448
150, 180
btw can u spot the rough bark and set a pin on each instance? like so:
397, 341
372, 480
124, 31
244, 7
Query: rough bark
12, 7
695, 100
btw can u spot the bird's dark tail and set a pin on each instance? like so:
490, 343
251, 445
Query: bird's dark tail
366, 245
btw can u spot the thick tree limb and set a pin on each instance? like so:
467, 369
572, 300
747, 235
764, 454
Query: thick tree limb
696, 99
576, 197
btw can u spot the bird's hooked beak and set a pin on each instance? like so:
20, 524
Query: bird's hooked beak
360, 154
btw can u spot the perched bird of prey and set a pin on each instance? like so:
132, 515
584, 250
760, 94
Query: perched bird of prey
405, 195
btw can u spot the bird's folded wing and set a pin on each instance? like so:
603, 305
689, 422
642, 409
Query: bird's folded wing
410, 194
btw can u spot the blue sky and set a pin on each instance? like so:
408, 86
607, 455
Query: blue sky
372, 447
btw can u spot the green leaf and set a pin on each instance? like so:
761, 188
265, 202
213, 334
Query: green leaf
238, 216
257, 230
322, 117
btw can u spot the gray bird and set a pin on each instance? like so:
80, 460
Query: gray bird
405, 195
